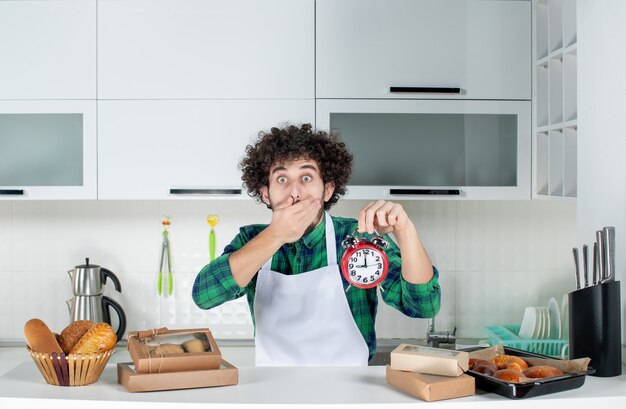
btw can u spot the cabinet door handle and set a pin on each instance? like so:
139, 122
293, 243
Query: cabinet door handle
447, 192
14, 192
425, 90
208, 192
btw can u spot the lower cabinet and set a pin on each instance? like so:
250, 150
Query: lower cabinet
172, 149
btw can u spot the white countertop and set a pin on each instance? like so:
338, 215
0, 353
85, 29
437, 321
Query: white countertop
21, 383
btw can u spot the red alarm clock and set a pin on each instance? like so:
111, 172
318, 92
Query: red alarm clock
365, 263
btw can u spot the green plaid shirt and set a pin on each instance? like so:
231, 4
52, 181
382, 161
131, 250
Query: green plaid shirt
215, 285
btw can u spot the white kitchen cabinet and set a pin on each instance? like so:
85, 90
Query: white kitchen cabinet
48, 150
183, 149
434, 149
555, 120
48, 49
205, 49
466, 49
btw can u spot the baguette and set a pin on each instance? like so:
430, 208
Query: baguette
39, 337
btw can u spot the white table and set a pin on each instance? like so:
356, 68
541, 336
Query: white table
362, 387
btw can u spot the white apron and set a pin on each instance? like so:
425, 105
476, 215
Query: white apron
305, 319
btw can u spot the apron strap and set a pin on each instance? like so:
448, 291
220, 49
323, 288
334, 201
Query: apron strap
331, 248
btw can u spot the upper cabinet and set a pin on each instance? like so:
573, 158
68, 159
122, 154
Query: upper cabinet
48, 49
205, 49
183, 149
433, 149
48, 150
469, 49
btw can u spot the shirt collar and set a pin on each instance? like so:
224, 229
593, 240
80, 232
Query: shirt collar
316, 235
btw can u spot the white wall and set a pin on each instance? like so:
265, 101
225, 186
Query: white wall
495, 258
602, 137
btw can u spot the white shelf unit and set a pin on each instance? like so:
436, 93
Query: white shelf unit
554, 99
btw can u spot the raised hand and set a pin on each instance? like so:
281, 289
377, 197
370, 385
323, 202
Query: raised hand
384, 217
290, 221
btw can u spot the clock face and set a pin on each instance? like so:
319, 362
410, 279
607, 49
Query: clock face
365, 266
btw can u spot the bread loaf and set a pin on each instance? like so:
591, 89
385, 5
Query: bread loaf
165, 349
194, 345
99, 338
73, 333
39, 337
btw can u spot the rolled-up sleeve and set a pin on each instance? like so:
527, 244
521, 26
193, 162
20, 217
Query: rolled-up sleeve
413, 300
421, 300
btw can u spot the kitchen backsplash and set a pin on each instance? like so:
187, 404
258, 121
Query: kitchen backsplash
494, 258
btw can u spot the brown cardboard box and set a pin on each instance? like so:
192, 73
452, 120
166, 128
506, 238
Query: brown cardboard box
433, 361
227, 374
431, 387
147, 359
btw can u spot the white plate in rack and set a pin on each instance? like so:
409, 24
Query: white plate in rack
547, 322
529, 322
538, 333
555, 319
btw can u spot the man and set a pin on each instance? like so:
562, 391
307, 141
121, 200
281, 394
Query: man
303, 311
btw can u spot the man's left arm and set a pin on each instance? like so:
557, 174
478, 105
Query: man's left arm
412, 284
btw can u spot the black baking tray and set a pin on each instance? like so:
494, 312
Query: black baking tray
523, 390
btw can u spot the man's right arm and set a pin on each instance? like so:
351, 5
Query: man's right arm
215, 284
245, 262
288, 225
227, 277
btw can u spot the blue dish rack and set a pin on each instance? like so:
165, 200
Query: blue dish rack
507, 336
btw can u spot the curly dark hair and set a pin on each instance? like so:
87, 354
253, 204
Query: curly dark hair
290, 143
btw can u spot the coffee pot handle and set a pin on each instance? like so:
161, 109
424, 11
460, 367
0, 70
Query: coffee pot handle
108, 302
104, 273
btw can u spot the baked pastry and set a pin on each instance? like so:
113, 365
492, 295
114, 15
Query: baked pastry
39, 337
73, 333
471, 363
542, 371
194, 345
485, 367
508, 375
510, 362
99, 338
165, 349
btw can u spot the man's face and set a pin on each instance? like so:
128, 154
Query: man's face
291, 182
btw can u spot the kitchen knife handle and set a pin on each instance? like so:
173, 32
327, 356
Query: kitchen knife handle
425, 90
12, 192
208, 192
595, 264
601, 259
586, 264
576, 264
449, 192
609, 240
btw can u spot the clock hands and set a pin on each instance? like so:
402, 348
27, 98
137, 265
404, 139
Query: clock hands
365, 261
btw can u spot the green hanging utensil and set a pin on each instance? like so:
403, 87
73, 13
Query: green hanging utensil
212, 220
165, 253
